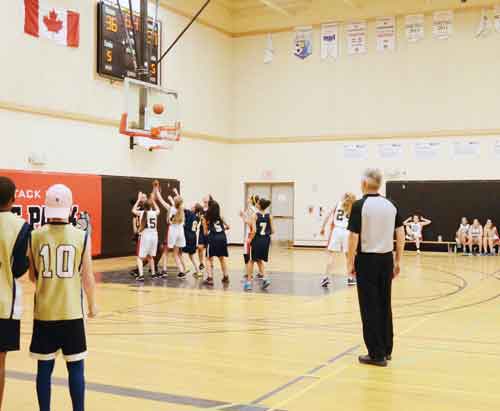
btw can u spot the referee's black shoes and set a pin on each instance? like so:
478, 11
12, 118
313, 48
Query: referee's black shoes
366, 359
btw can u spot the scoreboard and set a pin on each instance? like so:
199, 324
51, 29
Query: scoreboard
115, 59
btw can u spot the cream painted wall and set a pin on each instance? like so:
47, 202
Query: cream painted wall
431, 85
227, 91
322, 174
38, 73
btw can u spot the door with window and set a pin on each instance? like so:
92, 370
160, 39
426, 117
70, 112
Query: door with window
282, 207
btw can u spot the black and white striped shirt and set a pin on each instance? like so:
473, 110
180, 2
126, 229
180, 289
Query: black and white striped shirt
375, 219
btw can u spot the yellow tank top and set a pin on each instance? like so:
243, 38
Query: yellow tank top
10, 227
57, 251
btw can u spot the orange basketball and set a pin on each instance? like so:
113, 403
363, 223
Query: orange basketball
158, 108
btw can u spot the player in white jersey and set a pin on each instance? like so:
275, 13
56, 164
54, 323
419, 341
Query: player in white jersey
490, 239
339, 236
414, 228
247, 216
476, 236
462, 235
148, 235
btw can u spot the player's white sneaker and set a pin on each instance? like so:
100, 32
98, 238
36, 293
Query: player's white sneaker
325, 282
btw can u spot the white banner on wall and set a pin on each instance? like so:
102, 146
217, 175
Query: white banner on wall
442, 24
497, 18
390, 150
427, 150
356, 151
269, 50
385, 31
467, 148
329, 41
356, 37
497, 148
302, 42
415, 27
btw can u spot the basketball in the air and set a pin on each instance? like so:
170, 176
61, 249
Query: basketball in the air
158, 108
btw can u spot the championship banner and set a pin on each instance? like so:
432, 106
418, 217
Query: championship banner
269, 50
466, 149
484, 26
415, 27
356, 37
356, 151
442, 24
385, 30
427, 150
497, 18
329, 41
302, 42
30, 197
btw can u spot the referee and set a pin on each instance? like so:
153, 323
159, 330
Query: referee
372, 224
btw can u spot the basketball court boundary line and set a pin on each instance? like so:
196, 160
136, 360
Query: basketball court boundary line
143, 394
309, 374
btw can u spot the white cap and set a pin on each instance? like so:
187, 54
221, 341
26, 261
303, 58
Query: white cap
58, 202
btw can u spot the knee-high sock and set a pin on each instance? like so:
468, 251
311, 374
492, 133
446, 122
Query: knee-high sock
76, 384
43, 383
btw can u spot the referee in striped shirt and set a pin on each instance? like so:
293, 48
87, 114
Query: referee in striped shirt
372, 224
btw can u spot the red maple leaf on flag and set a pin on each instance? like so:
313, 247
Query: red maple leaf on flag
51, 21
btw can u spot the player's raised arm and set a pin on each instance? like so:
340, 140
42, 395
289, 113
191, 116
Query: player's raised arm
89, 280
135, 209
157, 209
425, 221
160, 198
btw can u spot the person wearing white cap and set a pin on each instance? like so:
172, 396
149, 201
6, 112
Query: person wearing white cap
60, 261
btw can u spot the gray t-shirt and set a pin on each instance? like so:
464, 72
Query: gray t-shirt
375, 219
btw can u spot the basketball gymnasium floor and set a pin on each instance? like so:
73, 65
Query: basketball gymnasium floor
178, 346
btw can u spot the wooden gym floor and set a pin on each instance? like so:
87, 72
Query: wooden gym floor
178, 346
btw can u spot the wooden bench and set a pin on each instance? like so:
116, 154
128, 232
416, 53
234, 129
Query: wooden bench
449, 244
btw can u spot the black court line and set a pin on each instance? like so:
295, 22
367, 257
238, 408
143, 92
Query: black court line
143, 395
307, 375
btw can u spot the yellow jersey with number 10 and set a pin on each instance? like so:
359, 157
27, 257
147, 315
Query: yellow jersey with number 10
10, 227
57, 252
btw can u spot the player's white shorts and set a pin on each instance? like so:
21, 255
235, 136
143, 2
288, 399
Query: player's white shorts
413, 236
339, 240
148, 244
176, 237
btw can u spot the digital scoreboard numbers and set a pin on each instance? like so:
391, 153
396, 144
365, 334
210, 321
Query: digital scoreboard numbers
115, 58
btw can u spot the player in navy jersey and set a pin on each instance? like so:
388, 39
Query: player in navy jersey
202, 238
191, 227
262, 228
215, 228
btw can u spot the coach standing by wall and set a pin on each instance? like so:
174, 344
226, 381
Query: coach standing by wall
372, 224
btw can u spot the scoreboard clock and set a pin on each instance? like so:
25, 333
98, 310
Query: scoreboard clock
115, 59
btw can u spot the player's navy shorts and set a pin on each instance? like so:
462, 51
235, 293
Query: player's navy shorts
51, 336
10, 332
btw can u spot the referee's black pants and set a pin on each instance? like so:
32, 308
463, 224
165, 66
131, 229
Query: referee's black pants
374, 277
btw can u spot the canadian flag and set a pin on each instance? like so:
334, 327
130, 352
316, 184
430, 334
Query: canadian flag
61, 26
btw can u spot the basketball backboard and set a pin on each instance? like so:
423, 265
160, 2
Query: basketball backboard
139, 118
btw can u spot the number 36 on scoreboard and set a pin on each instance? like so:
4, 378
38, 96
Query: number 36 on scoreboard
115, 59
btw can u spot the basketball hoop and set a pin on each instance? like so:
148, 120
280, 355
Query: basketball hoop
151, 112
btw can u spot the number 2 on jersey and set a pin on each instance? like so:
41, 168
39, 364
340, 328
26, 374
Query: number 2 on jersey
263, 227
65, 261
